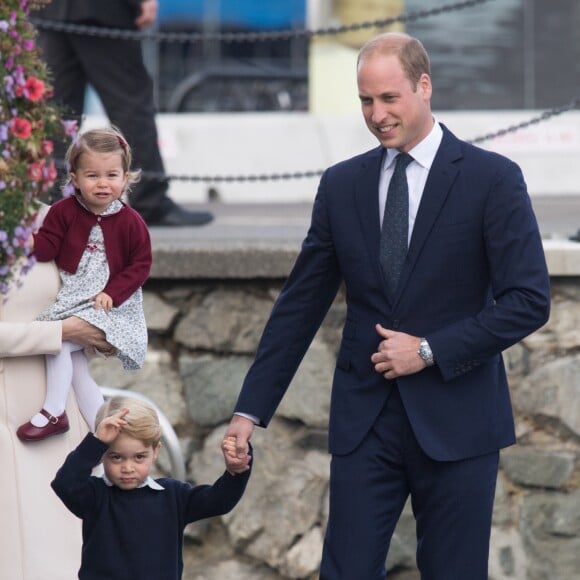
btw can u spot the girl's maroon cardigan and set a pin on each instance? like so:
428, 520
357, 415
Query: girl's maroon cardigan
64, 234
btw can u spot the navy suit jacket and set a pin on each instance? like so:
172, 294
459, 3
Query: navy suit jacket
475, 282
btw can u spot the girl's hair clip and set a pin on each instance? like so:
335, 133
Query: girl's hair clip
122, 142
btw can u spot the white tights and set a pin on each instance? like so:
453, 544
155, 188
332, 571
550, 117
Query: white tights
69, 366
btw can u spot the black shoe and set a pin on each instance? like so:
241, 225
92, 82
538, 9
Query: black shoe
178, 216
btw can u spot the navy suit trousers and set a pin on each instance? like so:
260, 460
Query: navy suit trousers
452, 504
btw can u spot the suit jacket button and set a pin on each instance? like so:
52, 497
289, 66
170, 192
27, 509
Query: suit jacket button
396, 323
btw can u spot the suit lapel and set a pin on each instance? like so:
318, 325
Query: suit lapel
441, 177
367, 203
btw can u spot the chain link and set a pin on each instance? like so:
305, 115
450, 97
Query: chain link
308, 174
282, 35
533, 121
231, 37
153, 176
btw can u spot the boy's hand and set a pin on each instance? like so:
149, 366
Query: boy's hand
104, 301
110, 427
235, 463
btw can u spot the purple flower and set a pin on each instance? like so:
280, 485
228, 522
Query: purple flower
19, 66
31, 260
68, 190
70, 127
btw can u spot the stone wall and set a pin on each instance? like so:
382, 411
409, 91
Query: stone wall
203, 334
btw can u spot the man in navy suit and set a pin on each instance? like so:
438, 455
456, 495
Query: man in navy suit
420, 402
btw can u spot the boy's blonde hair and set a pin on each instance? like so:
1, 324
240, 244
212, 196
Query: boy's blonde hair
142, 419
104, 140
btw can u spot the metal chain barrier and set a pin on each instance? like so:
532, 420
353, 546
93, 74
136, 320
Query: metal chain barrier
574, 104
187, 37
282, 35
546, 115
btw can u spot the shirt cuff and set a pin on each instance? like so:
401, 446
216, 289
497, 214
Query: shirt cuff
254, 420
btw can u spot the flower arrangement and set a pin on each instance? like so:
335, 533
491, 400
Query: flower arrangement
28, 125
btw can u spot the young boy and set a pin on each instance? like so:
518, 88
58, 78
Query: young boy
133, 524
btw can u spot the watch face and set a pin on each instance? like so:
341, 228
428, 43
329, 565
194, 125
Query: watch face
425, 352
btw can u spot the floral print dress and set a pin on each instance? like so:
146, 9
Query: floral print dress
124, 325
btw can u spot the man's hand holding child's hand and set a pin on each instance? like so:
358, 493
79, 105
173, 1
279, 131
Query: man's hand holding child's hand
234, 463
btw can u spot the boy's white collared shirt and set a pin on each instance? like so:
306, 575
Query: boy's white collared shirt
149, 482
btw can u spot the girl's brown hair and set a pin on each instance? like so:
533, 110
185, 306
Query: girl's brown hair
104, 140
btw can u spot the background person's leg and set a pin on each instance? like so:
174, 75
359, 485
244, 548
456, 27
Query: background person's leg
69, 84
115, 69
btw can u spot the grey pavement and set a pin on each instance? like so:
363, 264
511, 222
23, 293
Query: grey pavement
284, 225
558, 215
261, 240
247, 224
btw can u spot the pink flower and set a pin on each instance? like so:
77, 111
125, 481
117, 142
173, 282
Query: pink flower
50, 171
35, 170
21, 128
35, 88
46, 147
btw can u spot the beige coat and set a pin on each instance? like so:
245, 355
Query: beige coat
39, 538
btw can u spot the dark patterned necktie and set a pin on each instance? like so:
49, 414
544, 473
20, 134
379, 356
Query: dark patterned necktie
395, 230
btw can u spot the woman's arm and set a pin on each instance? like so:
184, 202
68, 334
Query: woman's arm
81, 332
46, 336
30, 338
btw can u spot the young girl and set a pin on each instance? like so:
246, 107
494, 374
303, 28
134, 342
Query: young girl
103, 251
133, 524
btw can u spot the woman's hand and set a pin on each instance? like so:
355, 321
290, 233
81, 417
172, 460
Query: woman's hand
81, 332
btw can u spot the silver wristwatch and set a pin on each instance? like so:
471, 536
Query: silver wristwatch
426, 353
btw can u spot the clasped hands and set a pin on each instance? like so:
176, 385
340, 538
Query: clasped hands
397, 354
236, 445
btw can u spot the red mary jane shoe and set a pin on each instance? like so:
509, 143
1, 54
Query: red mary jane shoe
55, 426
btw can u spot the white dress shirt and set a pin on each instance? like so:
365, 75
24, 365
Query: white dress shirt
417, 172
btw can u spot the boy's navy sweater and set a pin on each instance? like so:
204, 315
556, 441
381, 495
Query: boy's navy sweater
136, 534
